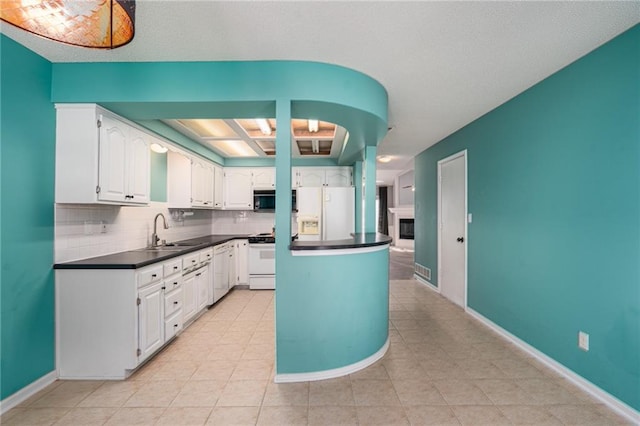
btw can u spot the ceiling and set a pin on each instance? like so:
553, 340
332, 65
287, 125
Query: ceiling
257, 137
443, 64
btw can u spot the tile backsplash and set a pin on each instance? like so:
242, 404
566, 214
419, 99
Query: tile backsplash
78, 229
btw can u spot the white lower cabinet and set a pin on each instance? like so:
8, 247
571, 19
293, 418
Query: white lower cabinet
109, 321
190, 297
150, 319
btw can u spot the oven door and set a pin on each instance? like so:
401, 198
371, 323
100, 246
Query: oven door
262, 259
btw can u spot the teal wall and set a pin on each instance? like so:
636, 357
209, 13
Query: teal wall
337, 310
144, 92
554, 189
26, 217
158, 177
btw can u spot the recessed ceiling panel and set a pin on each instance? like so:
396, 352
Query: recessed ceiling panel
209, 128
258, 127
233, 148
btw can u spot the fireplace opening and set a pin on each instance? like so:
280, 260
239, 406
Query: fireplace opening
406, 229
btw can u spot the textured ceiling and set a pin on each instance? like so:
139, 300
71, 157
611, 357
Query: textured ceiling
443, 64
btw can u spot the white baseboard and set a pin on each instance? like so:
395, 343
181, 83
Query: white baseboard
336, 372
426, 283
609, 400
26, 392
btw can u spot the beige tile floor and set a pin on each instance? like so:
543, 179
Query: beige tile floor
442, 368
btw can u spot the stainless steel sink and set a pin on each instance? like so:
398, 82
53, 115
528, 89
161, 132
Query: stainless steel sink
161, 248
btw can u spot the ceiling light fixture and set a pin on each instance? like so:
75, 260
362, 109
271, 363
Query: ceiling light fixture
313, 126
160, 149
264, 125
234, 148
105, 24
384, 159
315, 146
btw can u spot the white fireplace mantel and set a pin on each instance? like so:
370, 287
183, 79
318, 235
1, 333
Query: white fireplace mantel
401, 213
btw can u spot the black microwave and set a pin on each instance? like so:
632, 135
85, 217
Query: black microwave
265, 200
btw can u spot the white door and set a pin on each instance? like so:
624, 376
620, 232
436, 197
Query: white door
311, 176
202, 288
189, 291
150, 319
113, 146
452, 216
138, 173
338, 176
237, 189
218, 177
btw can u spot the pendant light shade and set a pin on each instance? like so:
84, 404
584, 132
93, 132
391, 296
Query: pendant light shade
89, 23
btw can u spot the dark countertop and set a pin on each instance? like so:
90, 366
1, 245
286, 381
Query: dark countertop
139, 258
369, 239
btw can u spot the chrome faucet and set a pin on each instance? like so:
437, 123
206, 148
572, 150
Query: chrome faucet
154, 237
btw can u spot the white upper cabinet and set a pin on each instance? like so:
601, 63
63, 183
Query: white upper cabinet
238, 191
264, 178
100, 158
190, 182
218, 187
322, 176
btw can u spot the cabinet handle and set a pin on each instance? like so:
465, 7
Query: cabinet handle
175, 325
175, 268
193, 261
197, 275
175, 303
154, 275
164, 288
175, 283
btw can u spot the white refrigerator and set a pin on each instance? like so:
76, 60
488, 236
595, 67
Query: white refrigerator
325, 213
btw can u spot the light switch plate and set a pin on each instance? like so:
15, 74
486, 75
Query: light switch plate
583, 341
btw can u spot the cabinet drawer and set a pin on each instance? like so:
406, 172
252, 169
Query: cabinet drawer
149, 275
206, 256
191, 260
173, 266
173, 325
173, 283
172, 302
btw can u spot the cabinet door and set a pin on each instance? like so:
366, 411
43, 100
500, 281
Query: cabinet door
264, 178
310, 176
242, 258
150, 319
197, 181
207, 185
138, 168
190, 294
238, 194
218, 187
202, 288
231, 262
338, 176
111, 168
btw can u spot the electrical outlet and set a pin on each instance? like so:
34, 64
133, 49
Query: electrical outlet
583, 341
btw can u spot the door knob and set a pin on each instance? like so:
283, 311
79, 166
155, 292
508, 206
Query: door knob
460, 239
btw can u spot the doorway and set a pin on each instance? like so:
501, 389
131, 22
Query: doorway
452, 224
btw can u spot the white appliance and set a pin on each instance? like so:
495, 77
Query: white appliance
262, 266
325, 213
221, 254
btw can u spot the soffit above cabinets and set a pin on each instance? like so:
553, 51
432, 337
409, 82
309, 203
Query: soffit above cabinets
257, 137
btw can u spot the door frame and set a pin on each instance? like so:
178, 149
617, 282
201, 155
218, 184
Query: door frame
452, 157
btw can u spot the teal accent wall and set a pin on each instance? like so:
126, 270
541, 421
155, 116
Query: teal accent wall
27, 150
554, 189
158, 177
370, 189
337, 310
